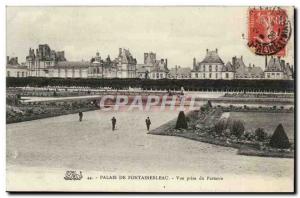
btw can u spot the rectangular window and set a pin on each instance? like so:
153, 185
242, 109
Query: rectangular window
196, 75
210, 68
216, 75
204, 75
227, 75
209, 75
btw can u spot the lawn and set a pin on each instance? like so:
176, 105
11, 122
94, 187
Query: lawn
267, 121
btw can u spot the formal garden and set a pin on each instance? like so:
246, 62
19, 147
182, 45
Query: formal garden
208, 124
16, 111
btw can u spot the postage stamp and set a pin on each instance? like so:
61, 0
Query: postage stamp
269, 31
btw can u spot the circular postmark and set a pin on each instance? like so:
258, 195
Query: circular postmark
269, 31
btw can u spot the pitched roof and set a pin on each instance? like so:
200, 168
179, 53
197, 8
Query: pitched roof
256, 71
243, 72
212, 57
10, 66
126, 56
64, 64
239, 63
274, 65
228, 67
181, 71
141, 70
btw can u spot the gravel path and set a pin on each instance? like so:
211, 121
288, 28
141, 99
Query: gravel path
36, 147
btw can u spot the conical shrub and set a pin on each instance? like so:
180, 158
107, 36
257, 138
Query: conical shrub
181, 121
279, 138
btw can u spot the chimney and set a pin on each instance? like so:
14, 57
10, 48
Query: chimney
253, 65
241, 57
194, 63
282, 62
233, 60
206, 51
162, 61
216, 50
17, 62
166, 62
7, 59
120, 51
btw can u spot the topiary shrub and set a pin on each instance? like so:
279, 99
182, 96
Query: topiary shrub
181, 121
261, 134
279, 138
209, 104
220, 126
237, 128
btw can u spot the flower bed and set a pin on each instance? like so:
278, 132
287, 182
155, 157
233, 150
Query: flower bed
200, 129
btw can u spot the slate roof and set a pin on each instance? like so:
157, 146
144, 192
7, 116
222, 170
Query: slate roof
274, 65
182, 71
228, 67
212, 57
15, 66
79, 64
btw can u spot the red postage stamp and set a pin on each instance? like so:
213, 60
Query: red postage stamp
269, 31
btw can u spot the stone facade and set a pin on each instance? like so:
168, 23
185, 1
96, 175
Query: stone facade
14, 69
45, 62
153, 68
210, 67
277, 69
213, 67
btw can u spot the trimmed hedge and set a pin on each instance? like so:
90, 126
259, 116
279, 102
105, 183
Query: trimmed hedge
173, 84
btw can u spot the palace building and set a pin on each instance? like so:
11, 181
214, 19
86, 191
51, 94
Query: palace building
213, 67
153, 68
44, 62
277, 69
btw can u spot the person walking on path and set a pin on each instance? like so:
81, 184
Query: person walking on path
113, 121
80, 116
148, 123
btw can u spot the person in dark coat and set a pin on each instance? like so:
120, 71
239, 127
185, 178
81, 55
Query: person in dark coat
148, 123
80, 116
113, 121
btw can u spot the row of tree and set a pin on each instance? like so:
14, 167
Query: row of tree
168, 84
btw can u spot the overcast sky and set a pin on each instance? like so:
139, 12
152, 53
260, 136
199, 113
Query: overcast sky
176, 33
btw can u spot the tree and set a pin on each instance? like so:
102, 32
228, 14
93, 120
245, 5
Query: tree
181, 121
279, 138
237, 128
220, 126
261, 134
209, 104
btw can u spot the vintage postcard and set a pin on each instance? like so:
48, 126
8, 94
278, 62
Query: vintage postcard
150, 99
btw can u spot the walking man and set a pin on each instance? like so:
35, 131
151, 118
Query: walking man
80, 116
113, 121
148, 123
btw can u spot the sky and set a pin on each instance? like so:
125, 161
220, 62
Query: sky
176, 33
